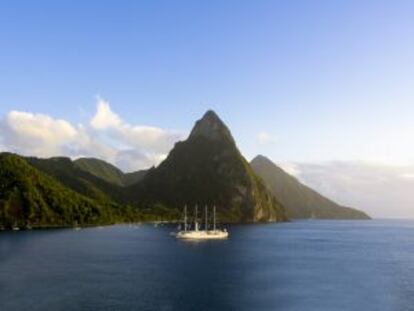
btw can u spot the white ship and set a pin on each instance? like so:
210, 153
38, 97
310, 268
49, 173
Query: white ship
197, 234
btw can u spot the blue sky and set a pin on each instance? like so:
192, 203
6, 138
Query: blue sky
318, 81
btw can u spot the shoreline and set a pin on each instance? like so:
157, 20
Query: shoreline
165, 222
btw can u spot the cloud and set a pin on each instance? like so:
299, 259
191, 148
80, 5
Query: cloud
89, 143
379, 189
37, 134
104, 117
264, 138
129, 160
142, 137
107, 136
290, 168
408, 176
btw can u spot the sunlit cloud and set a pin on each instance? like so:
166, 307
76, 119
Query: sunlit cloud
107, 136
104, 117
38, 134
149, 138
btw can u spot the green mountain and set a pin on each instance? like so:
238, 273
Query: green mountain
207, 168
32, 198
101, 169
108, 172
133, 177
299, 200
69, 174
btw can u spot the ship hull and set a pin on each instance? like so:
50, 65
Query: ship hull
202, 235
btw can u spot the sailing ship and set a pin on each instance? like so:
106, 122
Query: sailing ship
196, 233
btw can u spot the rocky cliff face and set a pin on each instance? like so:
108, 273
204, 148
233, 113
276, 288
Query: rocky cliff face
208, 168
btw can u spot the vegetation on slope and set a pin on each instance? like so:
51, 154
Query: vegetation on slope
66, 172
108, 172
100, 169
299, 200
31, 198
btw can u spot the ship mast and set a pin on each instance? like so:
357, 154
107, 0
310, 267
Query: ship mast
214, 218
195, 219
185, 217
206, 225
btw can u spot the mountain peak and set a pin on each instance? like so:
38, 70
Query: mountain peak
260, 158
212, 127
207, 168
210, 118
261, 161
211, 114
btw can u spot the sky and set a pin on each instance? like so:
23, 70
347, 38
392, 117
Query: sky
323, 88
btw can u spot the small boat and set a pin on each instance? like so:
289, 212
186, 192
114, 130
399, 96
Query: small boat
197, 234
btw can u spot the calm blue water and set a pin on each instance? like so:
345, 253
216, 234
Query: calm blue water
307, 265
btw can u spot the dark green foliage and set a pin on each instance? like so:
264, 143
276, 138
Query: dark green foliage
299, 200
101, 169
30, 198
159, 212
68, 173
133, 177
108, 172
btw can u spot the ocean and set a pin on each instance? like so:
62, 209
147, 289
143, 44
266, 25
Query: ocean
301, 265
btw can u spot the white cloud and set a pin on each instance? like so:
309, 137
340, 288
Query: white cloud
408, 176
291, 168
378, 189
104, 117
37, 134
153, 138
132, 159
88, 143
138, 136
107, 137
264, 138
